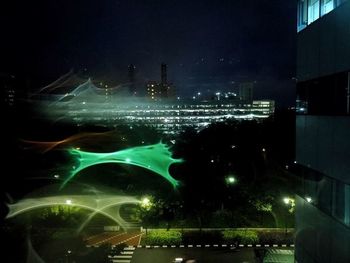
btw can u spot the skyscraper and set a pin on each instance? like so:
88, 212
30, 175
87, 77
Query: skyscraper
162, 89
323, 132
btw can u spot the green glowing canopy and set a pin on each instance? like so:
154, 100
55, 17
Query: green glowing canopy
156, 158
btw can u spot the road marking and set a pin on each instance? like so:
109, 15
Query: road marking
100, 234
104, 240
122, 257
125, 240
138, 243
215, 245
127, 252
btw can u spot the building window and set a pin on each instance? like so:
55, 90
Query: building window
313, 10
327, 194
338, 200
329, 95
327, 6
347, 205
302, 14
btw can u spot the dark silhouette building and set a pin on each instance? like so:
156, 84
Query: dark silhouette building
323, 132
163, 70
246, 91
132, 79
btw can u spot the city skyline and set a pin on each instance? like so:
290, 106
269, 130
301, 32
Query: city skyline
206, 45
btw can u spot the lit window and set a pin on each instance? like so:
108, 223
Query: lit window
313, 10
327, 6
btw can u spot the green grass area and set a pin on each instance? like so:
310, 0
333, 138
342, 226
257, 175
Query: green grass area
223, 236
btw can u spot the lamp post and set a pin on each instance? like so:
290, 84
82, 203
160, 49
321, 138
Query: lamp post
290, 202
146, 204
229, 180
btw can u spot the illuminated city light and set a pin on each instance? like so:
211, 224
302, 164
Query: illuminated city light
308, 199
156, 158
230, 180
290, 202
286, 200
146, 203
144, 111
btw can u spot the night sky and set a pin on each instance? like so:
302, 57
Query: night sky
207, 44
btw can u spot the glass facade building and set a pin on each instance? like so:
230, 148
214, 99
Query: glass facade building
323, 132
311, 10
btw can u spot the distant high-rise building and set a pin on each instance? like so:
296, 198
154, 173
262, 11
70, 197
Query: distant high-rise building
246, 91
131, 79
164, 86
322, 132
153, 90
163, 69
156, 91
7, 85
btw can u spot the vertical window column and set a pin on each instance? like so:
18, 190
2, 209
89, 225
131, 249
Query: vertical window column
348, 95
347, 205
313, 10
327, 6
302, 14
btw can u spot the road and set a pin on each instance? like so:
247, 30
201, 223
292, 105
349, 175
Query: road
115, 238
201, 255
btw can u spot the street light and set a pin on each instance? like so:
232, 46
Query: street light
286, 200
146, 203
230, 180
308, 199
290, 202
